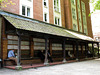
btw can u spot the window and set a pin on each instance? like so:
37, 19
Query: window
57, 13
84, 17
73, 2
80, 21
57, 21
84, 20
45, 17
79, 16
45, 11
23, 10
78, 3
45, 2
83, 6
26, 8
56, 5
74, 13
74, 27
80, 28
26, 11
85, 30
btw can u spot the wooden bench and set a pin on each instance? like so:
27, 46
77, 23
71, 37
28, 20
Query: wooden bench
24, 61
9, 62
34, 60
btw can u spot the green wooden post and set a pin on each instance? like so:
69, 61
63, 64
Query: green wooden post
77, 51
64, 51
46, 52
86, 49
19, 67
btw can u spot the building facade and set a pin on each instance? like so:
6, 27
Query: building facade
55, 26
71, 14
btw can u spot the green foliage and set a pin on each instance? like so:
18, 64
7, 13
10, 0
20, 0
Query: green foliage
96, 5
4, 3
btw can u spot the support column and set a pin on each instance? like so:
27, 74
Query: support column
46, 52
18, 67
64, 51
98, 49
19, 50
50, 46
77, 51
86, 50
82, 51
32, 47
93, 49
3, 39
74, 50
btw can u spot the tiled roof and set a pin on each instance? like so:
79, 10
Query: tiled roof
81, 36
38, 27
44, 28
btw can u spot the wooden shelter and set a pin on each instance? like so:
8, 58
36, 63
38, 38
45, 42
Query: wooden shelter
27, 36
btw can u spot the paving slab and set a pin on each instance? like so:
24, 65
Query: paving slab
90, 67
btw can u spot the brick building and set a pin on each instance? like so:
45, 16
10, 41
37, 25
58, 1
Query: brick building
71, 14
57, 26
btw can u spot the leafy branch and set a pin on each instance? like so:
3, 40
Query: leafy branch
4, 3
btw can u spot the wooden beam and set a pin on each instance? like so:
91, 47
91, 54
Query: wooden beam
18, 67
86, 50
4, 40
77, 51
19, 49
50, 46
32, 46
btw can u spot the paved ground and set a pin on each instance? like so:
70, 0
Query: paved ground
91, 67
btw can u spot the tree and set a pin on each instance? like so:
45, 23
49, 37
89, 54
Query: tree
4, 3
96, 5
